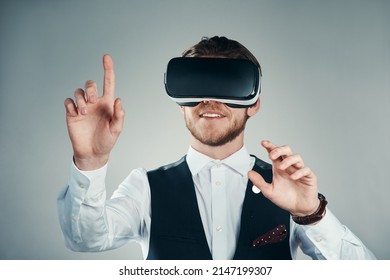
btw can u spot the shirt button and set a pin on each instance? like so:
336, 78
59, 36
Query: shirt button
318, 239
218, 183
219, 228
81, 185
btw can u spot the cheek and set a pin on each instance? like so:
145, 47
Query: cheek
185, 112
239, 114
188, 116
189, 112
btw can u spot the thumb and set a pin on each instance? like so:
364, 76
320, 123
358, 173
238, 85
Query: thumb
118, 117
260, 183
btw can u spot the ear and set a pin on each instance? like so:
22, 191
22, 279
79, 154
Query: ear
181, 109
254, 109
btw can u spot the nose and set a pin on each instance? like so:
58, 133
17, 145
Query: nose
211, 102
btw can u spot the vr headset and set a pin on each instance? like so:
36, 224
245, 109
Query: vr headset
191, 80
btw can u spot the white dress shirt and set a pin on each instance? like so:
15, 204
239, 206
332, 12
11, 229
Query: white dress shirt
90, 222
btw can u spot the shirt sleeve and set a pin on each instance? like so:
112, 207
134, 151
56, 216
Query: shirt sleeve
329, 239
91, 223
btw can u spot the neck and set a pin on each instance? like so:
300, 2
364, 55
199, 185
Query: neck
218, 152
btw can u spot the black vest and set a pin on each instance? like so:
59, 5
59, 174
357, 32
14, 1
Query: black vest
177, 230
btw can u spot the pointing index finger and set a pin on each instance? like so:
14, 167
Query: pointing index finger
275, 152
268, 145
109, 77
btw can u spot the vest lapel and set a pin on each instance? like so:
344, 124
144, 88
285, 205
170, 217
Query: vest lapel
258, 216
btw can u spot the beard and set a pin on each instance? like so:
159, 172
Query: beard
214, 137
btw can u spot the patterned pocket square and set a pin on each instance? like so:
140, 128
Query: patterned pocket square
275, 235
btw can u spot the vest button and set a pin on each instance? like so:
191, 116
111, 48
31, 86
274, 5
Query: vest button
256, 190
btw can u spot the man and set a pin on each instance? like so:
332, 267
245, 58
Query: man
217, 202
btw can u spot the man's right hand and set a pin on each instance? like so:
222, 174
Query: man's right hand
94, 123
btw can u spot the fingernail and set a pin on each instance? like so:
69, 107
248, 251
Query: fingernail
83, 110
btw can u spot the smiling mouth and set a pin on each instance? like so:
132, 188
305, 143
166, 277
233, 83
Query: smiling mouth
211, 115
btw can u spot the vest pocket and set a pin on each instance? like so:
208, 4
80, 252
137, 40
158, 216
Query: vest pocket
275, 235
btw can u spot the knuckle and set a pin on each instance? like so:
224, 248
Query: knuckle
67, 101
298, 158
275, 152
89, 90
90, 86
89, 83
286, 147
117, 130
78, 92
307, 171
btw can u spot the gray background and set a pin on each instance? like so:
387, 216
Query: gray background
325, 93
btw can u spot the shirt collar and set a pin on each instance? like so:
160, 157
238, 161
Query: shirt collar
240, 161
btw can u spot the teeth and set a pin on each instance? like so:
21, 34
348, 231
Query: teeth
211, 115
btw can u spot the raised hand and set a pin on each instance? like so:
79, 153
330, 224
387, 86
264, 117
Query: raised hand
294, 186
94, 122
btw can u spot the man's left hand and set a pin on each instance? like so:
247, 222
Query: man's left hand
294, 186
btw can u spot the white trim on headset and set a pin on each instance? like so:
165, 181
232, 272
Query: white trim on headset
248, 102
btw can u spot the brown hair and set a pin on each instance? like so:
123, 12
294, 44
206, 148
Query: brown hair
220, 46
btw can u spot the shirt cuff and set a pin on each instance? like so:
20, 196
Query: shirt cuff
90, 182
327, 235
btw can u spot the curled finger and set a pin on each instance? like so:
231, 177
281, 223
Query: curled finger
293, 160
280, 153
81, 103
118, 117
91, 93
301, 173
70, 107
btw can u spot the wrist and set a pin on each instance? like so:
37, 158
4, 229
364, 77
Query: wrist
91, 163
315, 216
309, 208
